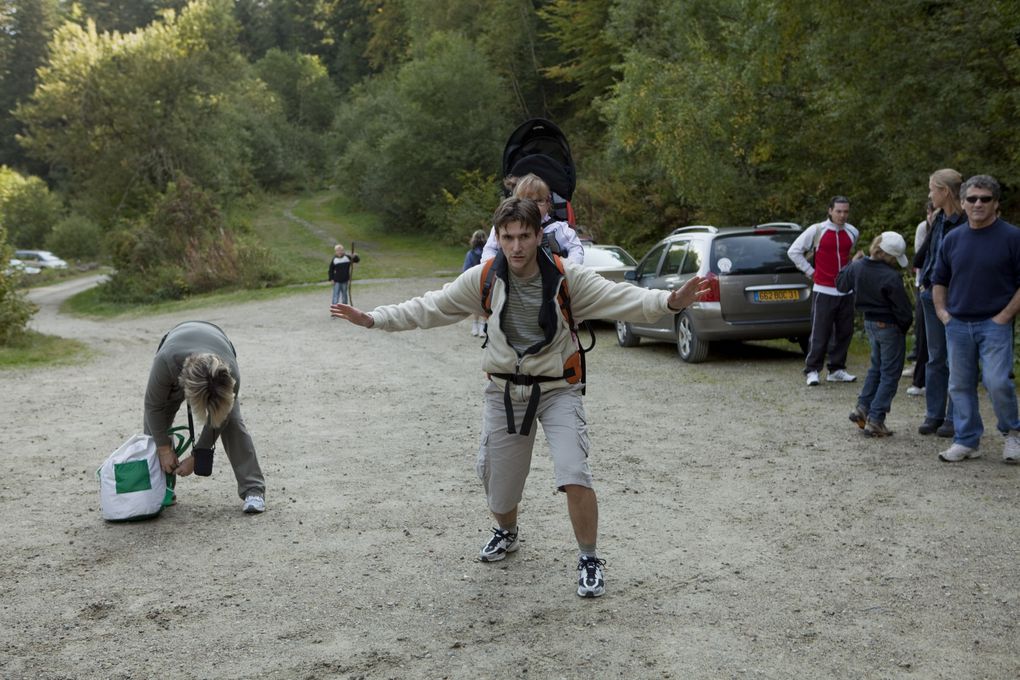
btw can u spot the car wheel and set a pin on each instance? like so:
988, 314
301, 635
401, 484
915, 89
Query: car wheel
805, 343
625, 335
691, 349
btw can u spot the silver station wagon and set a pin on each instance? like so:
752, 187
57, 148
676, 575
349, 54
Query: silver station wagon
756, 291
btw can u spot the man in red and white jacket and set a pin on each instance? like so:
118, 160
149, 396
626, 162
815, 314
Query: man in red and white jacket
832, 312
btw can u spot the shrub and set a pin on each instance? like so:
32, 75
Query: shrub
76, 237
15, 310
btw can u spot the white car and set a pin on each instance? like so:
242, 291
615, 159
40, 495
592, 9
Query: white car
19, 266
43, 259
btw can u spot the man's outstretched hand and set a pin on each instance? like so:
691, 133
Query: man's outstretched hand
352, 314
689, 293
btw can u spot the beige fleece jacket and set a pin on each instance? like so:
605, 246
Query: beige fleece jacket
591, 297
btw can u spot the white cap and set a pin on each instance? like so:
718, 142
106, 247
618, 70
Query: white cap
893, 244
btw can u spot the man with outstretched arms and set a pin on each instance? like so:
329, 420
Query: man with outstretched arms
530, 358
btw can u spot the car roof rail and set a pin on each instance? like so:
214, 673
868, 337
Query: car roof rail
704, 228
779, 225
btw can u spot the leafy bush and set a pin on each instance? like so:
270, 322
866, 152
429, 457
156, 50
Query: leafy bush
186, 247
455, 217
28, 210
76, 237
15, 310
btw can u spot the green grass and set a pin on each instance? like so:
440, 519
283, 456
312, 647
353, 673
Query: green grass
89, 303
35, 349
304, 252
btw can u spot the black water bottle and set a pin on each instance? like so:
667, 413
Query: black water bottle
203, 461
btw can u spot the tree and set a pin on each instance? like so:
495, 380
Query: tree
122, 115
406, 137
25, 30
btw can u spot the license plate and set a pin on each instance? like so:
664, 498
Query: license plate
775, 295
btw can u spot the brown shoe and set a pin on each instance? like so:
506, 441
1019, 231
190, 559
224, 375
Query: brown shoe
874, 428
859, 417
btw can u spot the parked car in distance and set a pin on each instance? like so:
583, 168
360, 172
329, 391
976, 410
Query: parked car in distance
612, 262
43, 259
756, 292
18, 266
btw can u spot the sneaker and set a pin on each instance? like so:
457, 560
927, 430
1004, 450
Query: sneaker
840, 376
908, 372
859, 417
946, 430
590, 582
1011, 449
930, 425
875, 428
958, 452
812, 378
914, 391
501, 543
254, 504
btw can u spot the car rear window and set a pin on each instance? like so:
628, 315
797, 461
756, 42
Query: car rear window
752, 253
605, 257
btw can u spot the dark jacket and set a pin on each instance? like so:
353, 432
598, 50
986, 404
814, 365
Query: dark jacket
340, 267
879, 292
927, 255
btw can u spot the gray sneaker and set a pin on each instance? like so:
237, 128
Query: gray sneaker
840, 376
958, 452
1011, 449
253, 504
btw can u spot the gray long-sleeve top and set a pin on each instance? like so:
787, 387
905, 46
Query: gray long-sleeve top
164, 389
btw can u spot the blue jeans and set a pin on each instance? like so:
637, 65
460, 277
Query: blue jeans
888, 348
340, 292
985, 341
936, 373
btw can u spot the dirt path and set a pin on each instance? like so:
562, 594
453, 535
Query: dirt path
749, 530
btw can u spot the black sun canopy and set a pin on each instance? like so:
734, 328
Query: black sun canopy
538, 146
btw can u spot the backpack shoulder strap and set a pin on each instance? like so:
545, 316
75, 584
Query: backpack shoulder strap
488, 274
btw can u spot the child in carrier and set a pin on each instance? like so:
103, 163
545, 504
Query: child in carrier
877, 284
557, 236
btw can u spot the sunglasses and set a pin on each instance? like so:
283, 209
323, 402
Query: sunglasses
982, 199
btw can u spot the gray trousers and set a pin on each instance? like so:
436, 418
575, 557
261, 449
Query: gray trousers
238, 445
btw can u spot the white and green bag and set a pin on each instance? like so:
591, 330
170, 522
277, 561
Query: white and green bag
132, 484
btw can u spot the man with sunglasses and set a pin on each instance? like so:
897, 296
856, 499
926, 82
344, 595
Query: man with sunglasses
976, 290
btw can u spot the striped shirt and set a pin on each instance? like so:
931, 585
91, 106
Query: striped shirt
522, 306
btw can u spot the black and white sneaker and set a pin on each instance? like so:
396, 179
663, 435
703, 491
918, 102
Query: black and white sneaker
590, 582
501, 543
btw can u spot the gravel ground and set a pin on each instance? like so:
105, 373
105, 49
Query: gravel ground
750, 530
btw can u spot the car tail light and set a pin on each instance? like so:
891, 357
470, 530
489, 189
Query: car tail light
713, 294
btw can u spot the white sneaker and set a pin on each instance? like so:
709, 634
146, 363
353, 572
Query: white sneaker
908, 371
590, 582
840, 376
812, 378
958, 452
501, 543
254, 504
915, 391
1011, 449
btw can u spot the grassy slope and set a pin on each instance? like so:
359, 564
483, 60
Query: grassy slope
303, 244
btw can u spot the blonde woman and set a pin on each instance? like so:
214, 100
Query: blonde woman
197, 362
944, 192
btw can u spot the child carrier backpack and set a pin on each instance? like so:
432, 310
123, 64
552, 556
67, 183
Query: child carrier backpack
573, 368
538, 146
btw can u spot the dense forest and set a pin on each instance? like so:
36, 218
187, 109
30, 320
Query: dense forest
130, 127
